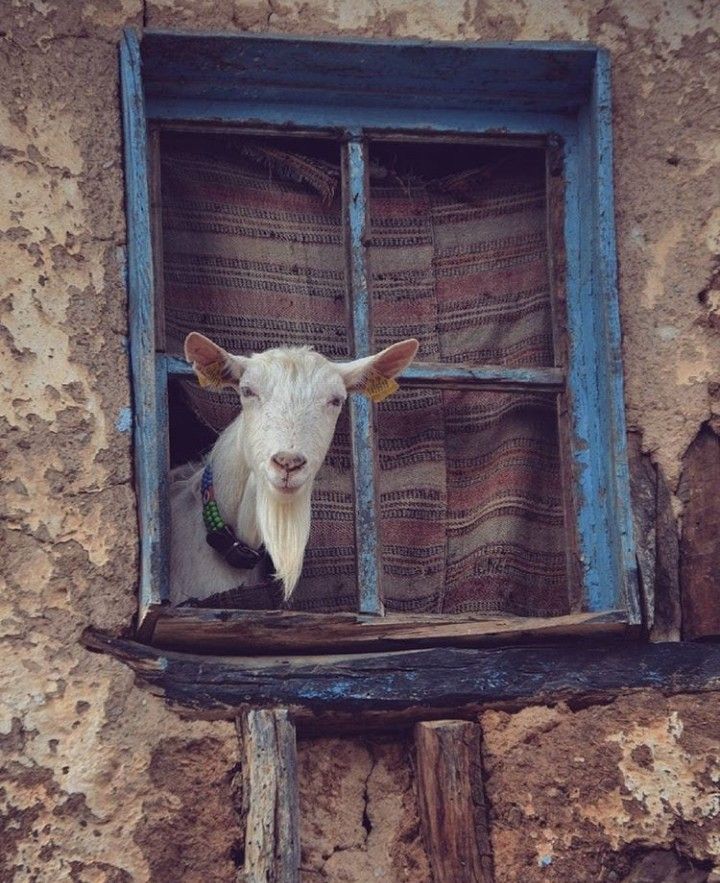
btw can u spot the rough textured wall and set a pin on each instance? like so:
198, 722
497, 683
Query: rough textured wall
585, 795
99, 781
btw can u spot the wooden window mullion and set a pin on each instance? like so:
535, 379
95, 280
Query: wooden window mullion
362, 418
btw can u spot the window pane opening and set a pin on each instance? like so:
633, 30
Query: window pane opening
471, 504
459, 251
254, 257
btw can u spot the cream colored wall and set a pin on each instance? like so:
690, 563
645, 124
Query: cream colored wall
101, 782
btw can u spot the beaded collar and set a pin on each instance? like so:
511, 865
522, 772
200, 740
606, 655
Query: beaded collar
220, 535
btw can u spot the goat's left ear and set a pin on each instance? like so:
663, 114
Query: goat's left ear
214, 366
374, 375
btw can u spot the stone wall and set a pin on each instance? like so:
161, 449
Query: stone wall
101, 782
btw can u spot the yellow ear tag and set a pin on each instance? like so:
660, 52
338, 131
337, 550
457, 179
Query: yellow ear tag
211, 375
377, 388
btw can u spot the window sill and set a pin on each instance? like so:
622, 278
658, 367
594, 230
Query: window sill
219, 632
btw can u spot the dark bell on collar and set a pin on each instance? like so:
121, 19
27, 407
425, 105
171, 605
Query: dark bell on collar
242, 557
236, 554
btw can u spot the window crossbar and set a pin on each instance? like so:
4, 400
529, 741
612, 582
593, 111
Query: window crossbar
437, 375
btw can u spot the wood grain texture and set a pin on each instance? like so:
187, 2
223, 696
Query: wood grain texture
700, 541
199, 630
374, 73
643, 492
355, 692
657, 545
336, 120
269, 796
439, 375
155, 184
149, 453
611, 379
668, 611
599, 456
555, 213
451, 798
363, 437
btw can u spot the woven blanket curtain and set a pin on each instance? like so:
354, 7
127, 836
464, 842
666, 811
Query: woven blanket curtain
470, 491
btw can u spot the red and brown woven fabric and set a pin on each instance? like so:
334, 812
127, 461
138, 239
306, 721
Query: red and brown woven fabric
470, 494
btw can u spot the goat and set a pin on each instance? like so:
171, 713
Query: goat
261, 469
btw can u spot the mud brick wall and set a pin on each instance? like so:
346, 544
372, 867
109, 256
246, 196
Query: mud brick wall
100, 781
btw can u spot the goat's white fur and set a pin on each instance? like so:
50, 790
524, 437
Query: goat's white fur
291, 401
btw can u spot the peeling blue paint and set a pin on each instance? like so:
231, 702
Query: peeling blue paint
124, 420
544, 861
148, 397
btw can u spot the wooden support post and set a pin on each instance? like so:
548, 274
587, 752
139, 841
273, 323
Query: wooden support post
269, 801
452, 801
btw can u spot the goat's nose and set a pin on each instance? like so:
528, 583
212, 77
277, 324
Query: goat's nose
288, 460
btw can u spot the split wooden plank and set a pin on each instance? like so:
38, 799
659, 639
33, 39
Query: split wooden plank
656, 543
699, 547
269, 799
452, 801
199, 630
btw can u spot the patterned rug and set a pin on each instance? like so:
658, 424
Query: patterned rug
470, 495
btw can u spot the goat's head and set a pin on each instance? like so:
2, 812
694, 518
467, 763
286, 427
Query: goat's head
291, 400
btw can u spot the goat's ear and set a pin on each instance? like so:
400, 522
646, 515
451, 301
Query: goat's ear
374, 375
213, 365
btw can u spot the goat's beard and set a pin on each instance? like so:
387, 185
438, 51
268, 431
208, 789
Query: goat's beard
284, 524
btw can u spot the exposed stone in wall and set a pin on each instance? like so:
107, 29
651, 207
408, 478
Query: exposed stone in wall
101, 782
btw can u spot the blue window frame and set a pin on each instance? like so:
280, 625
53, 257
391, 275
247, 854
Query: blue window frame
556, 93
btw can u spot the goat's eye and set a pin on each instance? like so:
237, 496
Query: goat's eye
336, 401
247, 392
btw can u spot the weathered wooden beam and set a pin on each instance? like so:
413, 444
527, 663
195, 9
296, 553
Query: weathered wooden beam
452, 801
200, 630
656, 543
269, 799
353, 692
700, 544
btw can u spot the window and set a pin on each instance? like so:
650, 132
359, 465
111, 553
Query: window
533, 117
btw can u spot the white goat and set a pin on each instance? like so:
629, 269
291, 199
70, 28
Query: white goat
263, 465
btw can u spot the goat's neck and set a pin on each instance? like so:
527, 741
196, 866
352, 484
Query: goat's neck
234, 483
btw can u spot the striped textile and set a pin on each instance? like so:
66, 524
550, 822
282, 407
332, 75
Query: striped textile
469, 482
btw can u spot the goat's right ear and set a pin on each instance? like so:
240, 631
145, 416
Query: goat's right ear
214, 366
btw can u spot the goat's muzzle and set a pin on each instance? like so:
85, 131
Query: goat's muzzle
286, 471
288, 461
